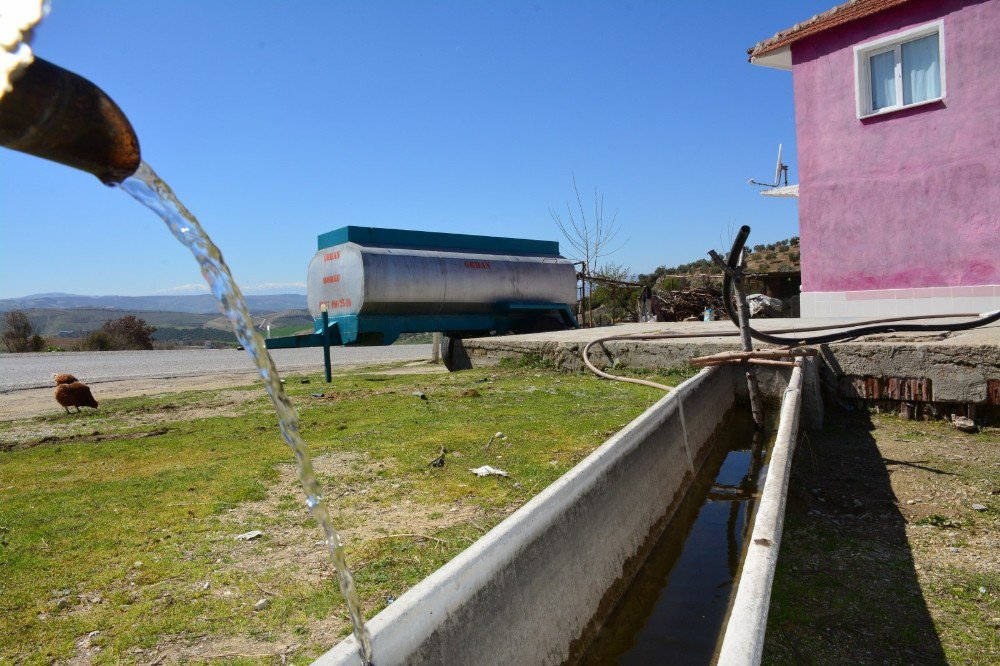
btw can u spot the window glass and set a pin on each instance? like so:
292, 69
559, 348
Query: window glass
883, 73
921, 70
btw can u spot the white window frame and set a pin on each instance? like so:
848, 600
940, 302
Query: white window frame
862, 68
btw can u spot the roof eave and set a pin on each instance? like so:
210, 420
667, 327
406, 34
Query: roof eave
780, 58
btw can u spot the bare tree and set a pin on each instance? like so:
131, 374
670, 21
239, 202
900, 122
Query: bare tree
18, 331
591, 238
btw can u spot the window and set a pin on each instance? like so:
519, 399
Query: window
906, 69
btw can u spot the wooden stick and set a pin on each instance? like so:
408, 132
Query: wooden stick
761, 361
761, 353
738, 361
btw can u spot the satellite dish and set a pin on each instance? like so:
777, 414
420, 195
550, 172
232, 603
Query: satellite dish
780, 173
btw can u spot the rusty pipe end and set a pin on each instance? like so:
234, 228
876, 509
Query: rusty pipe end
57, 115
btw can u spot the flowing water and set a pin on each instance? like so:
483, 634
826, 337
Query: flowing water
149, 190
675, 607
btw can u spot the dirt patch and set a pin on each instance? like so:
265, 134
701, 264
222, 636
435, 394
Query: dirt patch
223, 403
38, 401
95, 436
27, 403
93, 425
177, 650
293, 542
351, 394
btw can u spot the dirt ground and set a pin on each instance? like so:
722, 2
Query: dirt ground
26, 403
891, 550
35, 402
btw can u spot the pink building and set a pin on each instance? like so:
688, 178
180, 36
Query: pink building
897, 115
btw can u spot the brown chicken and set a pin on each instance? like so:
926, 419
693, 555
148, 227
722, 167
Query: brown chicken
76, 394
64, 378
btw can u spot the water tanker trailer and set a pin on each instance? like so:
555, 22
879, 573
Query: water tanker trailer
367, 285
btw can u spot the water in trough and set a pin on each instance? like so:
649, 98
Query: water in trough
675, 607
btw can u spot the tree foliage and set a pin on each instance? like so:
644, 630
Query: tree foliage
129, 332
615, 297
19, 334
97, 341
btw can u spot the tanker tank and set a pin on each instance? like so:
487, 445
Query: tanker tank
375, 284
351, 278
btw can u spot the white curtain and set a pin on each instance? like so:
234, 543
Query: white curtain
921, 70
883, 73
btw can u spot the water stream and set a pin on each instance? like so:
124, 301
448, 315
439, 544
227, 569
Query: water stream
146, 187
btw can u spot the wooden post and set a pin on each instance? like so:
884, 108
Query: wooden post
743, 315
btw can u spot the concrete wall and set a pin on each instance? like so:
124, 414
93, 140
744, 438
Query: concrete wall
743, 640
907, 200
528, 591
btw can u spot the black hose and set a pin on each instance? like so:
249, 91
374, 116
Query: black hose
727, 299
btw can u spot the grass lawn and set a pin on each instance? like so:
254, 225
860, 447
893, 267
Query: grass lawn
117, 527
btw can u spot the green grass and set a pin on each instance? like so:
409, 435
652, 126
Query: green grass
282, 331
79, 509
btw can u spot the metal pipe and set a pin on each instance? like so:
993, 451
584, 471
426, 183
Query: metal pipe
60, 116
743, 315
326, 343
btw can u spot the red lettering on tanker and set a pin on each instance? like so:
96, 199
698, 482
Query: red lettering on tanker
484, 265
336, 303
330, 279
331, 256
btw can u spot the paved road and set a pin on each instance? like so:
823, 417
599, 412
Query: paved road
22, 371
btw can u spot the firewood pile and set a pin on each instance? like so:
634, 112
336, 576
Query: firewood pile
686, 304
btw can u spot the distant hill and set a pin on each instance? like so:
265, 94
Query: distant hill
51, 321
282, 323
181, 327
198, 303
781, 256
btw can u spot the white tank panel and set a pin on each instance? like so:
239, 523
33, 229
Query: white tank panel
352, 279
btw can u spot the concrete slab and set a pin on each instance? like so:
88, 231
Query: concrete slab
962, 367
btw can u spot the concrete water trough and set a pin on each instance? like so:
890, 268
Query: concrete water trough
537, 587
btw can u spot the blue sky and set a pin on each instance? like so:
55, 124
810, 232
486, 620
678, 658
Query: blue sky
275, 122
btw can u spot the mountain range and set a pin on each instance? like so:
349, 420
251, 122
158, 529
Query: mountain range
195, 304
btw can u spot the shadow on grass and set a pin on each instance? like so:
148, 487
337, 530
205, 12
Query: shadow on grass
846, 590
